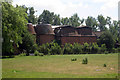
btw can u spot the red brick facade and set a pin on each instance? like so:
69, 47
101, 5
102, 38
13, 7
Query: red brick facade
46, 38
64, 34
78, 39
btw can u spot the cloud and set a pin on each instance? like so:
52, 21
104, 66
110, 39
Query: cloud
67, 8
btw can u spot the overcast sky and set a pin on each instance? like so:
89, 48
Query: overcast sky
67, 8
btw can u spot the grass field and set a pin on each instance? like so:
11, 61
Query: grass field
61, 66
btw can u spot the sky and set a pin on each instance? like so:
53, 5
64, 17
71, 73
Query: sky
67, 8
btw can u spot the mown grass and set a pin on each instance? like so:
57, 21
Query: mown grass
61, 66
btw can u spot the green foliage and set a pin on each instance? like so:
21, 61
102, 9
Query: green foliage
28, 43
104, 65
22, 54
74, 20
103, 48
65, 21
102, 22
85, 61
118, 50
46, 17
56, 20
106, 52
50, 48
44, 48
40, 54
114, 30
74, 59
55, 49
68, 48
31, 17
36, 53
94, 48
86, 48
13, 26
90, 21
77, 48
107, 39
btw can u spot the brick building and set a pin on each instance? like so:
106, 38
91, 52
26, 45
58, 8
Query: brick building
63, 34
69, 34
44, 33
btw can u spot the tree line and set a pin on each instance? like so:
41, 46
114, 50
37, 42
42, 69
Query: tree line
17, 38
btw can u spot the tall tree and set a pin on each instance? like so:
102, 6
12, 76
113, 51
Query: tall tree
46, 17
91, 22
102, 22
114, 29
107, 39
56, 20
74, 20
65, 21
31, 17
13, 26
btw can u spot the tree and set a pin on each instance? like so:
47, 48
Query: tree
31, 17
90, 21
28, 43
113, 28
102, 22
74, 20
65, 21
46, 17
107, 39
82, 21
13, 27
56, 20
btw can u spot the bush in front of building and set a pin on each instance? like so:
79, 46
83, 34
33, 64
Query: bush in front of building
50, 48
68, 48
36, 53
86, 48
77, 48
103, 49
55, 49
118, 50
22, 54
92, 48
44, 48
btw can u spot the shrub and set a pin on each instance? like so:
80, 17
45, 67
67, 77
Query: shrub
104, 65
106, 52
118, 50
86, 48
74, 59
36, 53
108, 39
94, 48
77, 48
44, 48
114, 50
22, 54
103, 48
85, 61
40, 54
11, 56
55, 49
68, 48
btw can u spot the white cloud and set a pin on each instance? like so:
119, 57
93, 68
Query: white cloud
67, 8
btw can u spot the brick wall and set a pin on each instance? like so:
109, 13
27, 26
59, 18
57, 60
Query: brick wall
46, 38
78, 39
84, 31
